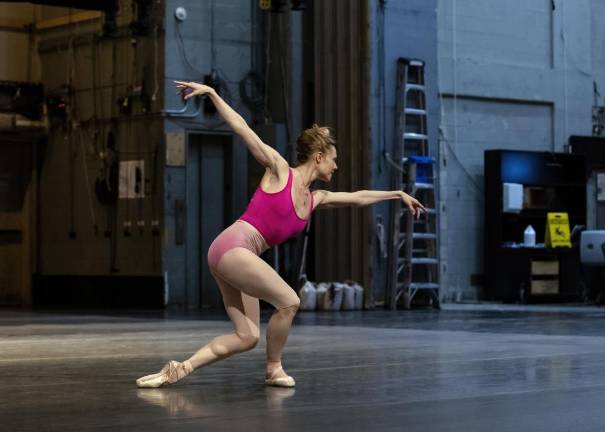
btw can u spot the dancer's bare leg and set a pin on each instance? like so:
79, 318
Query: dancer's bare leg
254, 276
243, 278
277, 336
244, 312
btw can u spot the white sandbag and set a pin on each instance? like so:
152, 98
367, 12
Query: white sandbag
333, 297
308, 296
358, 296
348, 297
322, 288
358, 289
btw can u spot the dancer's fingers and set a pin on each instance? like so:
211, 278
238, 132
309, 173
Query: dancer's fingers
412, 209
418, 204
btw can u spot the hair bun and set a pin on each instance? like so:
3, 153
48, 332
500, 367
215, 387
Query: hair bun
315, 139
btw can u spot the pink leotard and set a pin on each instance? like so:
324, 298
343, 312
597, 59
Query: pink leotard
270, 219
273, 214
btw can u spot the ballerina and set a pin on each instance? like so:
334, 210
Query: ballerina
278, 210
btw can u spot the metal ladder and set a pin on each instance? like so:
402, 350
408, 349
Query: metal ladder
413, 258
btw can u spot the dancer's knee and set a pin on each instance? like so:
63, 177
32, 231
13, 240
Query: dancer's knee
290, 310
295, 304
247, 341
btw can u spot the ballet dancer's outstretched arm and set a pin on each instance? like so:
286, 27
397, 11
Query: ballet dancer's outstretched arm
327, 199
263, 153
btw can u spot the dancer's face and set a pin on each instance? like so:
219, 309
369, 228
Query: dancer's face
326, 164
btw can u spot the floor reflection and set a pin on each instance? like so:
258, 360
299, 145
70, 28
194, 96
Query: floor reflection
174, 401
276, 396
180, 401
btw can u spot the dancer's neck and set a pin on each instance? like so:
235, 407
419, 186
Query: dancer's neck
308, 174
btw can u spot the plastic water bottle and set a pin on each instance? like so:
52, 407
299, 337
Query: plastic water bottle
529, 237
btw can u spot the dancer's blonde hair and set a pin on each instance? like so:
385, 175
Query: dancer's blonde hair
315, 139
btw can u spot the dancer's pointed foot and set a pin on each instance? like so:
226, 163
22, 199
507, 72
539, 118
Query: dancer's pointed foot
172, 372
276, 376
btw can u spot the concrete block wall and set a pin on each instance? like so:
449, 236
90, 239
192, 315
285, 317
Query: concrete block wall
398, 29
597, 42
512, 75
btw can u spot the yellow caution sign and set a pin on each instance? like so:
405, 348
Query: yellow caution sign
557, 230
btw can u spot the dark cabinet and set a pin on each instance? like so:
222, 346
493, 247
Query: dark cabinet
552, 182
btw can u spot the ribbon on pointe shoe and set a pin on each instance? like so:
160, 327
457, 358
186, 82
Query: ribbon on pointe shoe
176, 371
172, 372
279, 381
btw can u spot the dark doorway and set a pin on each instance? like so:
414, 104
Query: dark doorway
209, 198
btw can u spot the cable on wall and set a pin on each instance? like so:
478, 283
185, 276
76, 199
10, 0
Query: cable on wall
284, 82
212, 47
156, 84
93, 218
455, 64
267, 113
442, 137
565, 101
216, 75
382, 79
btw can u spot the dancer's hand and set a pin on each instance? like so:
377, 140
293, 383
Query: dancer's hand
190, 89
413, 204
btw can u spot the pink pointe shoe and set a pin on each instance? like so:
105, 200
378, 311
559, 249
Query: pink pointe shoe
273, 379
172, 372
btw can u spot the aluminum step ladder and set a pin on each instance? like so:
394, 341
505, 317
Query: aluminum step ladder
413, 257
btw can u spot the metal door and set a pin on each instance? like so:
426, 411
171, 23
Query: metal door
209, 179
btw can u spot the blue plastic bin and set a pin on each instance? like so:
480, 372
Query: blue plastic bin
423, 168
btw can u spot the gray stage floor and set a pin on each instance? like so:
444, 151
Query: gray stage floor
467, 368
